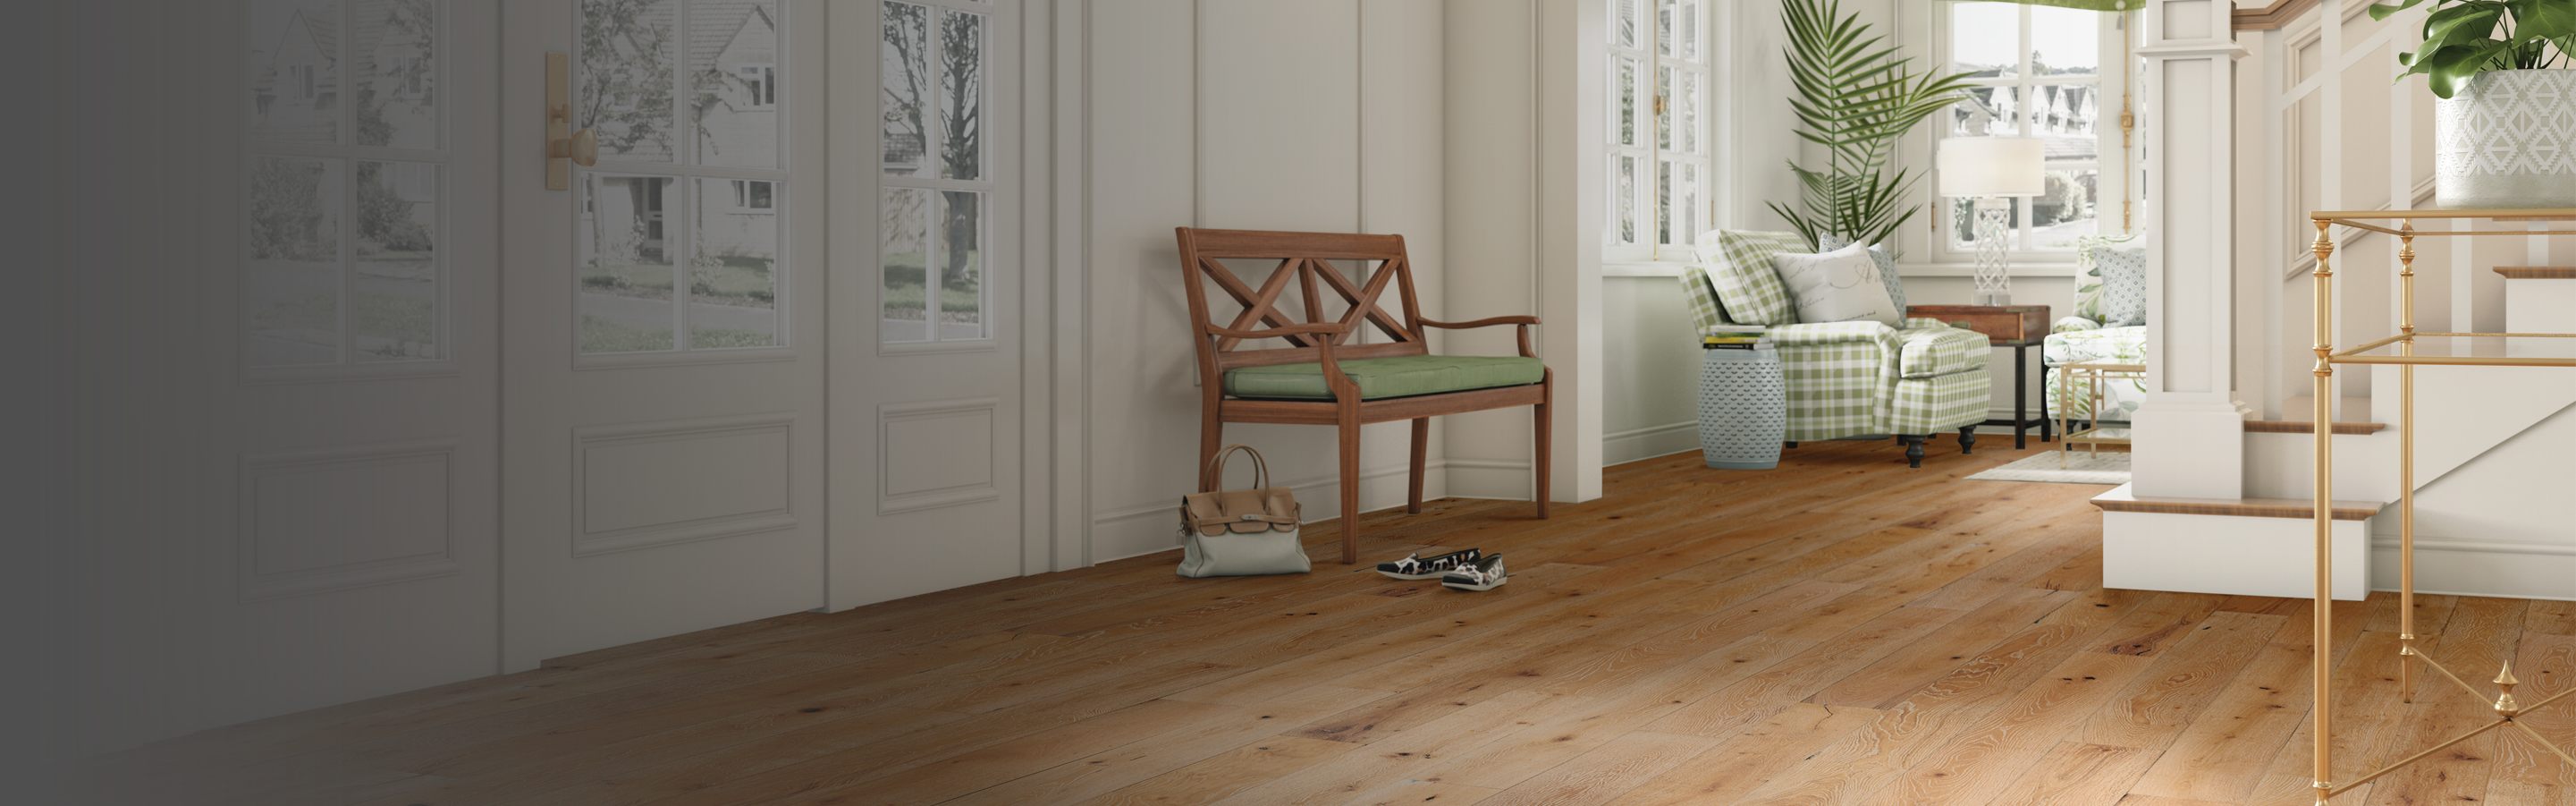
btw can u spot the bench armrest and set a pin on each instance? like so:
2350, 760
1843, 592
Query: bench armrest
1498, 320
1523, 321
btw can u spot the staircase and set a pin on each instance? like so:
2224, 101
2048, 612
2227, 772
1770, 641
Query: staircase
2493, 447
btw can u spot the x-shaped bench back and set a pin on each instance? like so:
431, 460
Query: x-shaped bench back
1305, 258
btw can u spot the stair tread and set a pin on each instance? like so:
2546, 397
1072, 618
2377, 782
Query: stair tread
2537, 272
2308, 427
2119, 499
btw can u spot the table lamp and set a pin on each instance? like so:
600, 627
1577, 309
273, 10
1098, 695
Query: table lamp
1989, 169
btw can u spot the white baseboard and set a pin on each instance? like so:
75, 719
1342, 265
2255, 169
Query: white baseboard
1646, 443
1148, 528
2479, 567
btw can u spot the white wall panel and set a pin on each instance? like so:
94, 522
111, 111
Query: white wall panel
647, 484
1279, 115
332, 519
936, 454
1651, 370
1490, 153
1250, 115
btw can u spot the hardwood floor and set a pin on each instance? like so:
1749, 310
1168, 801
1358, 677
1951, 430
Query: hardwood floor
1842, 630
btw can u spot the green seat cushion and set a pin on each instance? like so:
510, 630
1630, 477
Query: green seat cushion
1386, 377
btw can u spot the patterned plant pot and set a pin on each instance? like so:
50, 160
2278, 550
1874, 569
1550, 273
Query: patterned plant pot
2507, 141
1743, 408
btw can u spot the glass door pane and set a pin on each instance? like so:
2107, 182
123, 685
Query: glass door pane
628, 278
734, 264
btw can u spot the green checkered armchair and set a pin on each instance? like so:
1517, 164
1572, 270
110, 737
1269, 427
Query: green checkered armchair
1846, 378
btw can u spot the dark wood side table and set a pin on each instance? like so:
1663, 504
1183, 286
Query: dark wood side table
2020, 327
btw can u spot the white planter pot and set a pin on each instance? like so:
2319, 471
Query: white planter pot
2507, 140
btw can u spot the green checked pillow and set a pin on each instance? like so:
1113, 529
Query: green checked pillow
1739, 267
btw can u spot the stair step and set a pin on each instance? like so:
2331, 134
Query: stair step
2120, 500
2537, 272
2306, 427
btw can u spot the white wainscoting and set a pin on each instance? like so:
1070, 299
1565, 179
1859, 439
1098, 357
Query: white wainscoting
640, 485
344, 517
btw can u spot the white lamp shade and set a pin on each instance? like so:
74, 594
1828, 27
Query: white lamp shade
1991, 166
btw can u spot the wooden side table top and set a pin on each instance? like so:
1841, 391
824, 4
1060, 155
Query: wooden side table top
2004, 325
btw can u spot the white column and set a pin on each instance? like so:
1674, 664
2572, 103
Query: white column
2191, 432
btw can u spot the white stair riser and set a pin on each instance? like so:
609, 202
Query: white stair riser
2229, 555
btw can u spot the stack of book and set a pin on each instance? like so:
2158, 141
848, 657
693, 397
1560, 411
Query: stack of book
1732, 337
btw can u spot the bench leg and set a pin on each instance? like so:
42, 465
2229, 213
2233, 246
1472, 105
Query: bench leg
1350, 428
1541, 430
1421, 449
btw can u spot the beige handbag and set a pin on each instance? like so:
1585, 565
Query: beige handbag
1227, 533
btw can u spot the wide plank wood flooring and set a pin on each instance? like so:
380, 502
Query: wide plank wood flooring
1842, 630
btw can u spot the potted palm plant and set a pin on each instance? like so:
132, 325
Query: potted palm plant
1855, 98
2502, 127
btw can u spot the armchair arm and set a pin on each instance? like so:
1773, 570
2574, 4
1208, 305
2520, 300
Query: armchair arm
1827, 332
1523, 321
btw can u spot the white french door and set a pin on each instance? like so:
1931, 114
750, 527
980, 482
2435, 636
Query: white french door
757, 357
366, 443
663, 398
926, 391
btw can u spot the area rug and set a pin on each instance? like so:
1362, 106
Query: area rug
2082, 467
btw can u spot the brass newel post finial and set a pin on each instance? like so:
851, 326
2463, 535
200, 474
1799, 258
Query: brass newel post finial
2504, 703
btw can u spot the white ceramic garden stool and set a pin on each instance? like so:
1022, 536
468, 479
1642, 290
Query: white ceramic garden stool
1743, 407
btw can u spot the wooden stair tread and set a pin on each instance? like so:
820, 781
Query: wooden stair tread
2307, 427
2537, 272
2119, 499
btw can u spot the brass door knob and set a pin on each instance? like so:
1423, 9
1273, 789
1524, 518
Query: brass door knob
582, 148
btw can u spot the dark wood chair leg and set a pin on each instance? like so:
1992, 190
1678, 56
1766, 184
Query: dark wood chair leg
1913, 448
1967, 439
1540, 429
1350, 428
1421, 450
1793, 444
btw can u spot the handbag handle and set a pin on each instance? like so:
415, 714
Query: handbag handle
1216, 468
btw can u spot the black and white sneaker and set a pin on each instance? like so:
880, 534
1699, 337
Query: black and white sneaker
1486, 574
1419, 567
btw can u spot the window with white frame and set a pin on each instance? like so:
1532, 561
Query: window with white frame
754, 196
2038, 71
1660, 134
761, 83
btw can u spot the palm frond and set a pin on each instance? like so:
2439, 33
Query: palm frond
1855, 97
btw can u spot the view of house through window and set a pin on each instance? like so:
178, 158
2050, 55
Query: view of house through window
2038, 72
932, 218
345, 154
1660, 149
679, 242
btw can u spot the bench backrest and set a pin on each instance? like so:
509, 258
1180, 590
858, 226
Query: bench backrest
1304, 258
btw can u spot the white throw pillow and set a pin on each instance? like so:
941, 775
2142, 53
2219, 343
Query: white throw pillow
2124, 285
1838, 286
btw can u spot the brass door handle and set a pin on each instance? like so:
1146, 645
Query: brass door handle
564, 147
